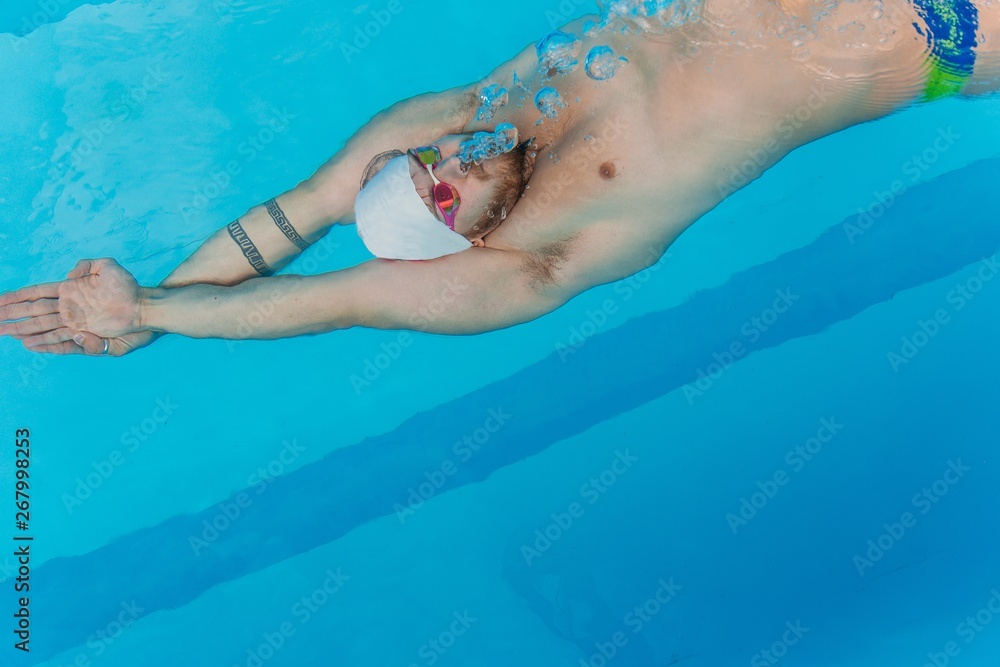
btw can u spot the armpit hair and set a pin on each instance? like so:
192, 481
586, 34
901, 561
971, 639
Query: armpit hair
543, 264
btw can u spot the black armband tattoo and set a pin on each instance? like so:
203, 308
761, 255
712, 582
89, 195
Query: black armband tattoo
249, 249
286, 227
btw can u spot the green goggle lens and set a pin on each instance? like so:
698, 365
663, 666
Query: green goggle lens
428, 155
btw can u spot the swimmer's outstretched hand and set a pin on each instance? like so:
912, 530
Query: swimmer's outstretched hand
32, 315
101, 298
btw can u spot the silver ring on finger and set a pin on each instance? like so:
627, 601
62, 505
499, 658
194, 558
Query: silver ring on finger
107, 344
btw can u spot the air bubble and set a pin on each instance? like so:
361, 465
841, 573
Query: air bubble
602, 63
491, 100
558, 51
549, 102
649, 16
488, 145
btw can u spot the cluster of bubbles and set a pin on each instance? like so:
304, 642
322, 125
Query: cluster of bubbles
558, 51
602, 63
649, 16
488, 145
549, 102
491, 99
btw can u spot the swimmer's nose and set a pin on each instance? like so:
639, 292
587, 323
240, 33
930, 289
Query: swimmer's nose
450, 170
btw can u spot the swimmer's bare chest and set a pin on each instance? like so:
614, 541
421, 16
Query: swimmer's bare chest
652, 149
602, 155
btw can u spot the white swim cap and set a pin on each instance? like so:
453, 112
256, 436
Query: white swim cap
395, 223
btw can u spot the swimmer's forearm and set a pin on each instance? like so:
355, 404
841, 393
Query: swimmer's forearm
275, 232
257, 309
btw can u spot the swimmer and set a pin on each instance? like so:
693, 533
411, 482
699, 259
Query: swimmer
635, 136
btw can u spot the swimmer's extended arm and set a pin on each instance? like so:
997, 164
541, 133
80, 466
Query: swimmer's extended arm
474, 291
267, 234
478, 290
412, 122
270, 235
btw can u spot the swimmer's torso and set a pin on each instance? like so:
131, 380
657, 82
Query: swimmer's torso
697, 113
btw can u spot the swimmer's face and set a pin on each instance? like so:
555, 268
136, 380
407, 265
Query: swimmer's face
477, 185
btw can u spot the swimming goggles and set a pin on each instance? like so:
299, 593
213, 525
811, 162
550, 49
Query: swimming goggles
445, 196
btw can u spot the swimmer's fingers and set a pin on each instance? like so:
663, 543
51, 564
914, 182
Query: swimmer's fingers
66, 347
65, 341
31, 326
30, 293
22, 309
57, 335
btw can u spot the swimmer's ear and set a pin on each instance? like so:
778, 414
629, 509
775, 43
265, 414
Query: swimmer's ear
377, 163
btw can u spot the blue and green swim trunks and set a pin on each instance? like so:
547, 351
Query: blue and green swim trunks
950, 28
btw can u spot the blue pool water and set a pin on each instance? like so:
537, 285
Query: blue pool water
668, 470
